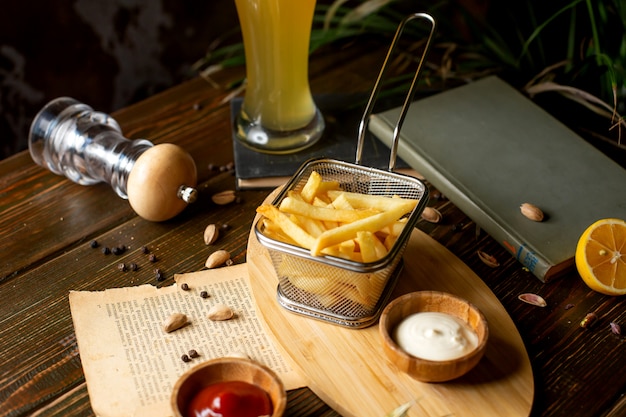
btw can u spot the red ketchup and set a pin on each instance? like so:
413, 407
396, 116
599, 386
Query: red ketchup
230, 399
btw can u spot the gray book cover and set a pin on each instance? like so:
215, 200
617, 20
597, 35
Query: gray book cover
489, 149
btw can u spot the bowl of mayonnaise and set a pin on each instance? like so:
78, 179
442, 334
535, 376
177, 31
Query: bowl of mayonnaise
433, 336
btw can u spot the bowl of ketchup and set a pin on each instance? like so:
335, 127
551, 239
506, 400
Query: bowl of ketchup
229, 387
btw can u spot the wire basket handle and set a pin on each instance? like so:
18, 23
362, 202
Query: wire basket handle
409, 97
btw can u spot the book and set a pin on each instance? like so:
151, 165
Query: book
490, 149
342, 114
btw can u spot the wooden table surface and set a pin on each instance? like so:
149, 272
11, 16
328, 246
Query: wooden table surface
47, 223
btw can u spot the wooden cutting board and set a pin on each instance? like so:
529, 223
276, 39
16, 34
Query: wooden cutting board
348, 369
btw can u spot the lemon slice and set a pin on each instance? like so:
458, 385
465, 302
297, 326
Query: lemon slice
601, 256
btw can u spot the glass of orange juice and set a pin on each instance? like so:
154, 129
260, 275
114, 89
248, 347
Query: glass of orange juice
278, 114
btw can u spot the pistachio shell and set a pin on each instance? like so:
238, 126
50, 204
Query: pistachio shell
220, 312
615, 328
432, 215
533, 299
224, 197
174, 322
217, 258
589, 320
532, 212
211, 233
487, 259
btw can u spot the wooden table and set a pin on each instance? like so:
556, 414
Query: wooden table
47, 223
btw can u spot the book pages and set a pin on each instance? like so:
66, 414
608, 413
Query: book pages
131, 363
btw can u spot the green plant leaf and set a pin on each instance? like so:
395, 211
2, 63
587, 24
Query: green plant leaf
540, 28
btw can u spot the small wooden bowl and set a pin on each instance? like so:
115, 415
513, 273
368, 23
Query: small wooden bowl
432, 301
227, 369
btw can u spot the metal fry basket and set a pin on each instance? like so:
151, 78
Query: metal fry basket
333, 289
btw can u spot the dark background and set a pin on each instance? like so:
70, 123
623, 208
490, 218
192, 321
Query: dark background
112, 53
106, 53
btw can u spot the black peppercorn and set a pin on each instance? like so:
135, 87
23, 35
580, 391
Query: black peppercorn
133, 266
106, 250
159, 275
193, 353
94, 244
145, 250
116, 251
121, 266
204, 294
185, 358
184, 286
152, 257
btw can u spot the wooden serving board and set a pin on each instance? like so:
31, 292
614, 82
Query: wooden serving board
348, 369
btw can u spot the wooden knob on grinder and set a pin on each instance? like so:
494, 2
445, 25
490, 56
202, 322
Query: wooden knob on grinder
155, 181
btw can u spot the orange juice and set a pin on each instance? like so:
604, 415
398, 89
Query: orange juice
276, 35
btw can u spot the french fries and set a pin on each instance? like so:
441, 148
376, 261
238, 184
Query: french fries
329, 221
324, 213
286, 225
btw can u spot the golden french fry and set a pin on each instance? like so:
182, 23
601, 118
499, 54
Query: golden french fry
325, 186
328, 300
329, 291
313, 227
294, 206
342, 203
395, 228
381, 249
324, 201
328, 221
313, 284
366, 246
309, 190
348, 246
364, 290
321, 201
273, 231
330, 285
377, 202
295, 232
324, 219
390, 240
295, 195
369, 224
371, 247
351, 256
357, 294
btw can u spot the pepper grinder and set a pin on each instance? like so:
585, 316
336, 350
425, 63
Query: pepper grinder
71, 139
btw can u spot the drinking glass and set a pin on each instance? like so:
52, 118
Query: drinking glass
278, 114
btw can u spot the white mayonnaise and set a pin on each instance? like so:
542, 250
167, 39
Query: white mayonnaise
435, 336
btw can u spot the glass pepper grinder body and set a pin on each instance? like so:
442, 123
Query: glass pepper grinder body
71, 139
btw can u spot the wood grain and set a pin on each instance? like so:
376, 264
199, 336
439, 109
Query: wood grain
43, 257
348, 368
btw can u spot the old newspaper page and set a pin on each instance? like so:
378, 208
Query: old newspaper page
131, 363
